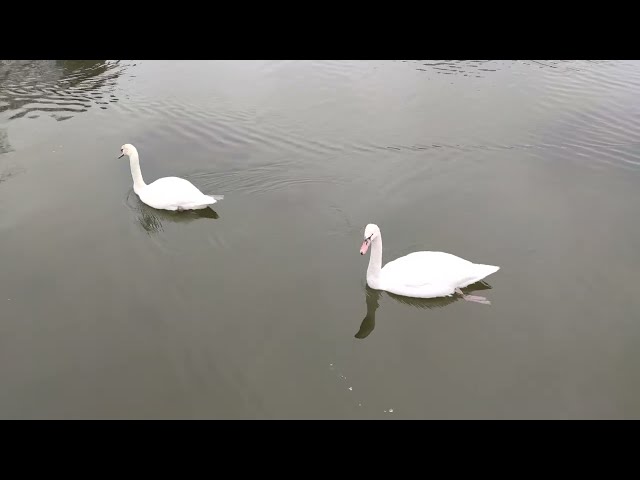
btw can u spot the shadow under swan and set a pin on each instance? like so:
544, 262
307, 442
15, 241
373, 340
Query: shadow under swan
372, 298
152, 220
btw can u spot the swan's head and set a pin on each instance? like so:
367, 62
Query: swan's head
371, 232
128, 150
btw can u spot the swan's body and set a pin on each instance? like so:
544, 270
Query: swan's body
421, 274
173, 193
168, 193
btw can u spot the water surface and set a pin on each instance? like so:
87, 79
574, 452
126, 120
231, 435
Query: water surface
259, 308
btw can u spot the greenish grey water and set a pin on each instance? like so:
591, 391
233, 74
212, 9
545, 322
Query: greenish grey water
259, 309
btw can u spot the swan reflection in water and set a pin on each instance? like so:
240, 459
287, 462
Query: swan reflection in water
152, 220
373, 301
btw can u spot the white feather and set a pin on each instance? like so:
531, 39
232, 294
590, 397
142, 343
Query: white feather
420, 274
168, 193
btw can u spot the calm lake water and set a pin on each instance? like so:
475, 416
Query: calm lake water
259, 309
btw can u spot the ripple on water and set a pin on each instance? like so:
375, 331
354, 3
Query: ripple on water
58, 88
155, 223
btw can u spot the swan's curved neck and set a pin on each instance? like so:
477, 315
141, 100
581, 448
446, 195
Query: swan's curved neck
136, 174
375, 260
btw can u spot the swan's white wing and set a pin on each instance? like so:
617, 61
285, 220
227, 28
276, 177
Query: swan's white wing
431, 274
423, 268
173, 193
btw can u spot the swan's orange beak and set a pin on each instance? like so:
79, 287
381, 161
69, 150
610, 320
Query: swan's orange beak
365, 246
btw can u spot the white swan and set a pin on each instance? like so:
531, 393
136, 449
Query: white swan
421, 274
169, 193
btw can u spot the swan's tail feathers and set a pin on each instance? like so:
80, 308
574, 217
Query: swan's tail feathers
213, 198
479, 273
486, 270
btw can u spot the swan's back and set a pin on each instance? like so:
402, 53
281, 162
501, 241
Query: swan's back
434, 269
175, 193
